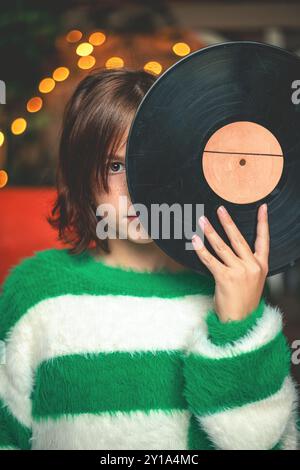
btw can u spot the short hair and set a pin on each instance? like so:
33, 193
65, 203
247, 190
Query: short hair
94, 122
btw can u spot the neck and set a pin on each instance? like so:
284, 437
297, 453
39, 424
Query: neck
141, 257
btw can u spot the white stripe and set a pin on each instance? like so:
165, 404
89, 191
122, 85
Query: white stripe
255, 426
87, 323
266, 328
72, 324
290, 440
131, 431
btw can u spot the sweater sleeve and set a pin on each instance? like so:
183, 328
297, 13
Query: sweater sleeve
238, 383
15, 373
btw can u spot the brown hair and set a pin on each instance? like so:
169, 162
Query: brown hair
94, 122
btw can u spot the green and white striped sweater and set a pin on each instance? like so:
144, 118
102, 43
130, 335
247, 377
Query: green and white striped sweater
101, 357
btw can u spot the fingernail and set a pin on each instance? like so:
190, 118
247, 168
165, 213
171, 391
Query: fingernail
203, 221
265, 207
197, 242
222, 210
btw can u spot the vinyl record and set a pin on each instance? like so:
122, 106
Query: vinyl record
221, 126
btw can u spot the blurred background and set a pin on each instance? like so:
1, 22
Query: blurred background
47, 47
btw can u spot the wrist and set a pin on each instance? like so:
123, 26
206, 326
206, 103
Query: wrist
221, 332
233, 313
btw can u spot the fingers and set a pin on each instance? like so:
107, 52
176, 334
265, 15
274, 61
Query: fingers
242, 250
221, 248
262, 242
238, 242
210, 261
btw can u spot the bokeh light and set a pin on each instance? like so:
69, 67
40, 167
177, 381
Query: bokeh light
181, 48
1, 138
46, 85
97, 38
18, 126
86, 62
85, 48
74, 36
60, 74
3, 178
154, 67
34, 104
114, 62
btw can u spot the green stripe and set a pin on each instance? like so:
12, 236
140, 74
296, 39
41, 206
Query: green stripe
109, 382
278, 446
298, 421
221, 333
198, 439
55, 272
214, 385
9, 447
12, 432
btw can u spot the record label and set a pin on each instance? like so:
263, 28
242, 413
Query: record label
237, 158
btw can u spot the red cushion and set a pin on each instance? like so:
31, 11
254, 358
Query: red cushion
24, 228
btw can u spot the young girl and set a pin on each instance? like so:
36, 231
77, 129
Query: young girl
110, 343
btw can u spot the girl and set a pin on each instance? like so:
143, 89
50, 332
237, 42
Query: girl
111, 344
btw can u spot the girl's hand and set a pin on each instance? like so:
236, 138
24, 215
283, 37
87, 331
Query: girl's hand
240, 279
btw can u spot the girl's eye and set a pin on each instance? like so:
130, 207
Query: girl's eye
115, 167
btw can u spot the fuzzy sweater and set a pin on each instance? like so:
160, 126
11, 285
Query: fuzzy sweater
101, 357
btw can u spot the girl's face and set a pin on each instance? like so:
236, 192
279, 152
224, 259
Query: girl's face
118, 210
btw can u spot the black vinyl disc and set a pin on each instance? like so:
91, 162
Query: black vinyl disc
232, 82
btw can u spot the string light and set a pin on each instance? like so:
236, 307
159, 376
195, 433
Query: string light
181, 48
46, 85
18, 126
3, 178
60, 74
34, 104
85, 48
153, 66
97, 38
114, 62
86, 62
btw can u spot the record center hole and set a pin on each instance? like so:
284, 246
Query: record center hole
242, 162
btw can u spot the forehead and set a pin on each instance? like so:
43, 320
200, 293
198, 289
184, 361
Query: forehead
121, 150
